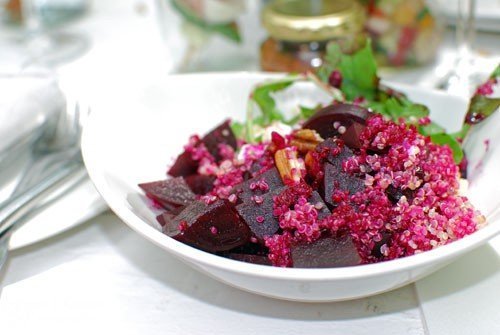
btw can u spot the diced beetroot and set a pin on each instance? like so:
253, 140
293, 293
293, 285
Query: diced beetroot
252, 248
169, 193
394, 194
165, 218
289, 195
320, 206
254, 259
351, 135
259, 216
334, 120
200, 184
257, 186
463, 167
222, 134
386, 238
337, 180
213, 228
327, 252
336, 151
183, 166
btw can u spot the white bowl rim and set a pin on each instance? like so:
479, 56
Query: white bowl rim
196, 256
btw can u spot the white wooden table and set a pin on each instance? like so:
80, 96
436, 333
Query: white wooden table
102, 277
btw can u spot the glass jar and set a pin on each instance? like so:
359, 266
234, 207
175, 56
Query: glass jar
403, 32
299, 31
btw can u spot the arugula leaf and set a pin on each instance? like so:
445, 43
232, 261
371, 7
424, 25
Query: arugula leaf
496, 72
359, 71
229, 30
462, 133
238, 129
306, 112
397, 108
262, 96
446, 139
481, 107
431, 129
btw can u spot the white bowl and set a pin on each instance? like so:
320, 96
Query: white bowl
135, 134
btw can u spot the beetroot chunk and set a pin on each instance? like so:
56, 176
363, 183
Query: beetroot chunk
327, 252
213, 228
394, 194
200, 184
338, 180
320, 206
336, 151
183, 166
351, 136
258, 186
165, 218
386, 239
254, 259
337, 120
222, 134
169, 193
258, 215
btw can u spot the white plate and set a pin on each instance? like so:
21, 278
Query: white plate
132, 138
74, 208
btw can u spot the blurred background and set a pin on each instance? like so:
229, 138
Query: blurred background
92, 43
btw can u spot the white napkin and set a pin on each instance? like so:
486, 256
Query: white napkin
26, 101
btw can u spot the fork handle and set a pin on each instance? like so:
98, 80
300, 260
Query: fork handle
21, 204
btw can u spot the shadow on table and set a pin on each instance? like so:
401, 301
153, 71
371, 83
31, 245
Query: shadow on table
470, 270
43, 259
160, 266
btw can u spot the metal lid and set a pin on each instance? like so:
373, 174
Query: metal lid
312, 20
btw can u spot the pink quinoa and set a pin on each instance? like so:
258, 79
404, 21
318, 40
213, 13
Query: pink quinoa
392, 156
393, 194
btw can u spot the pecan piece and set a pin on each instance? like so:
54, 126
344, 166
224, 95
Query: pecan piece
289, 165
305, 140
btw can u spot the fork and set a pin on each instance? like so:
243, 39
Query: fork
56, 167
53, 146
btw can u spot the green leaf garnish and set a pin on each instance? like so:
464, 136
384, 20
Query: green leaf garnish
306, 112
495, 73
462, 133
359, 80
238, 129
482, 107
431, 129
359, 71
262, 96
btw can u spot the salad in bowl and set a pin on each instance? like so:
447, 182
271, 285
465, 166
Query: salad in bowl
366, 177
321, 187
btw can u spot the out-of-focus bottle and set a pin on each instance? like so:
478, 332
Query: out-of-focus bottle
403, 32
299, 31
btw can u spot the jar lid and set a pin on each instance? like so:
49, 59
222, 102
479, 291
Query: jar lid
312, 20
